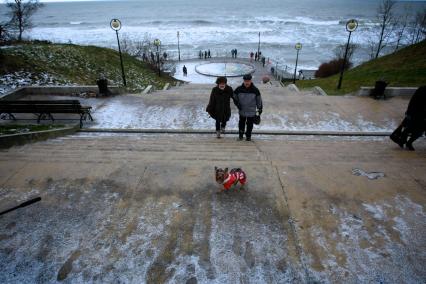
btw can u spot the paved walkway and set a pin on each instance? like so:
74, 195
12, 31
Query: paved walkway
194, 77
143, 208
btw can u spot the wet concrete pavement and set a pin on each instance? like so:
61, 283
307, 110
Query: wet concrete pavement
144, 208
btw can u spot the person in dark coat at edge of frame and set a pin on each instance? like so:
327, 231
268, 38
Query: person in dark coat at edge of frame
247, 98
414, 123
185, 71
219, 105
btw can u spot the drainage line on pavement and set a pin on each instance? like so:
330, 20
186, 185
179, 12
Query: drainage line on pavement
261, 132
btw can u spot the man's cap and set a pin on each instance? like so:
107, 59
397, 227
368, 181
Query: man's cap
247, 77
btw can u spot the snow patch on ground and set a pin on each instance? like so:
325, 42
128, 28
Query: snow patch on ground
372, 249
12, 81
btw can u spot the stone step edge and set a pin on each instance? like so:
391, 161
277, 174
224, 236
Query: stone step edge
258, 132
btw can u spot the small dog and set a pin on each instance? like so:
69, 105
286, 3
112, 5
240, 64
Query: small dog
229, 179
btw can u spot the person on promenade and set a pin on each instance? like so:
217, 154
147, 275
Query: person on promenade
414, 123
263, 61
219, 104
185, 71
205, 54
251, 56
256, 56
247, 98
208, 54
200, 54
236, 52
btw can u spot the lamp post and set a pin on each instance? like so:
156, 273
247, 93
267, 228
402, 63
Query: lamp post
157, 43
351, 26
178, 45
116, 26
298, 47
258, 48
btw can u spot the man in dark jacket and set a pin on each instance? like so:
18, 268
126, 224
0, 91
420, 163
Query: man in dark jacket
219, 105
414, 123
247, 98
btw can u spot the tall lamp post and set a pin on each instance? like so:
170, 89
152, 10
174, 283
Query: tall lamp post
157, 43
116, 26
298, 47
351, 26
258, 48
178, 45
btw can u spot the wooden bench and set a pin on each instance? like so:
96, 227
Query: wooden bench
44, 109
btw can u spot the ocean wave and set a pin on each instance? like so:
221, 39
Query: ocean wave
76, 23
177, 22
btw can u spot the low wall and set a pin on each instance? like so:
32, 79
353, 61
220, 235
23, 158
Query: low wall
58, 91
389, 91
10, 140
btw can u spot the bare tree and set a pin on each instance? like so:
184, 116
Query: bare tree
4, 32
21, 13
339, 51
385, 16
400, 27
421, 25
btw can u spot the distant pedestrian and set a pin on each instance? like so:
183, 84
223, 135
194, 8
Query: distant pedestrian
152, 57
414, 123
205, 54
165, 55
200, 54
259, 55
219, 105
208, 54
263, 61
144, 57
256, 56
247, 98
251, 56
232, 53
185, 71
236, 52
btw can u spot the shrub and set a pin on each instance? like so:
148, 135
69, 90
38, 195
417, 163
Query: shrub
331, 68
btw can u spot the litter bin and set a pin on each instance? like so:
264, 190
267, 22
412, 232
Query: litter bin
103, 86
379, 89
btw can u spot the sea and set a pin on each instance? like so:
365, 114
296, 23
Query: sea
220, 25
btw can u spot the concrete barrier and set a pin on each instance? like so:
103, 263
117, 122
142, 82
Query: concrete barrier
147, 90
319, 91
58, 91
389, 91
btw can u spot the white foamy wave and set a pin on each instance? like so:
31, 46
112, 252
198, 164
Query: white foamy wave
76, 23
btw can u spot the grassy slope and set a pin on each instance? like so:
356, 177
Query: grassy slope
70, 63
407, 67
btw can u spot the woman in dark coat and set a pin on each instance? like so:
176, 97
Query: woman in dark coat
219, 105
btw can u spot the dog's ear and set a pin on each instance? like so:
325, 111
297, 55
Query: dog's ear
226, 170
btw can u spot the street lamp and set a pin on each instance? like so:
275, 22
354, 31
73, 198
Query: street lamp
258, 48
298, 47
157, 43
116, 26
178, 44
351, 26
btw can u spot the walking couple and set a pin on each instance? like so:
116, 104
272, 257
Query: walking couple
246, 98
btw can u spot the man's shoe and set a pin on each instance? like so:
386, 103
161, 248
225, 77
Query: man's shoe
218, 134
222, 130
410, 147
248, 138
397, 141
240, 138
